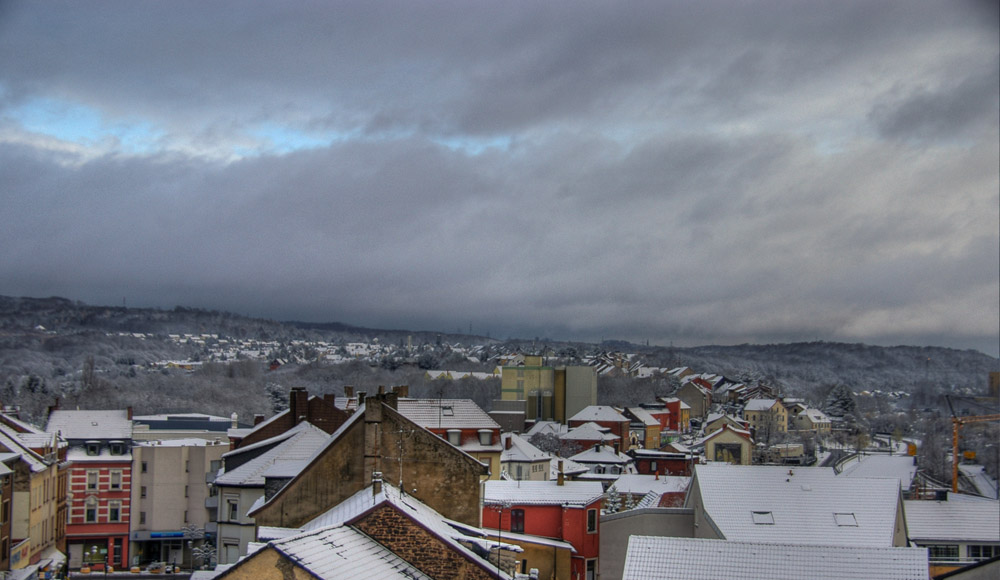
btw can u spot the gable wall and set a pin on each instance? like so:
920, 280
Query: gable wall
417, 546
442, 477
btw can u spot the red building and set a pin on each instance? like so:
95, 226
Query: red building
605, 416
653, 462
568, 511
100, 485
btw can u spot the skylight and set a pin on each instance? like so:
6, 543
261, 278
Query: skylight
763, 518
845, 519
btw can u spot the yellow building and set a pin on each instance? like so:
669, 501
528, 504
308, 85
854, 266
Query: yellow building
555, 393
728, 445
766, 416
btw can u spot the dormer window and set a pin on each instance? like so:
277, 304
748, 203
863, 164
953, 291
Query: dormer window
118, 448
455, 437
485, 436
93, 448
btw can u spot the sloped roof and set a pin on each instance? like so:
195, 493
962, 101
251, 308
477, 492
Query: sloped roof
588, 432
599, 413
365, 500
664, 558
797, 505
90, 424
342, 552
305, 438
644, 416
13, 444
901, 467
635, 484
546, 427
446, 414
572, 493
961, 518
605, 454
760, 404
520, 450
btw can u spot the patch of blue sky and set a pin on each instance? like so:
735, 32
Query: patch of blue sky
83, 125
282, 139
475, 145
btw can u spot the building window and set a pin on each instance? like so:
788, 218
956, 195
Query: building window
591, 569
116, 480
485, 436
115, 511
91, 480
117, 448
591, 521
142, 491
143, 467
652, 466
983, 552
185, 516
91, 514
93, 448
233, 509
142, 518
186, 491
943, 553
455, 437
520, 474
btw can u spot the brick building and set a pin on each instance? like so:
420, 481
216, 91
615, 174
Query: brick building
99, 460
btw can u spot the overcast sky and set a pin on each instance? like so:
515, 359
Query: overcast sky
677, 172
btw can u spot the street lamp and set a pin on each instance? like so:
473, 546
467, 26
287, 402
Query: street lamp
94, 558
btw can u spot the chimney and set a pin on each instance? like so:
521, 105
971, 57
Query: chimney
509, 442
403, 391
330, 399
298, 404
560, 478
129, 410
376, 483
381, 389
348, 391
258, 419
234, 418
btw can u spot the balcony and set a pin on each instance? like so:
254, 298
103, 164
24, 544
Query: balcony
212, 502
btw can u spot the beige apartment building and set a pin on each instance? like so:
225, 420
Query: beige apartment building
173, 507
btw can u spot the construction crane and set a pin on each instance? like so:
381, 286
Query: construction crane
956, 424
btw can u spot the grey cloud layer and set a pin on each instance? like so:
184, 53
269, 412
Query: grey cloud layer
672, 171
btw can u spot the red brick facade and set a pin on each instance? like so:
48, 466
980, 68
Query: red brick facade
99, 511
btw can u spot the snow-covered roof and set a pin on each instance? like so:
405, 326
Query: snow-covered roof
598, 413
571, 493
664, 558
446, 414
961, 518
520, 450
9, 440
342, 552
800, 505
985, 485
759, 404
366, 499
636, 484
601, 454
588, 432
546, 428
186, 442
90, 424
901, 467
305, 439
569, 468
725, 427
643, 416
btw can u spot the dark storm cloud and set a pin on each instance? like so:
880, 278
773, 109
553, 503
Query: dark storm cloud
688, 172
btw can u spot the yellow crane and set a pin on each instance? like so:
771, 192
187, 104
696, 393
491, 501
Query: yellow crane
956, 424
